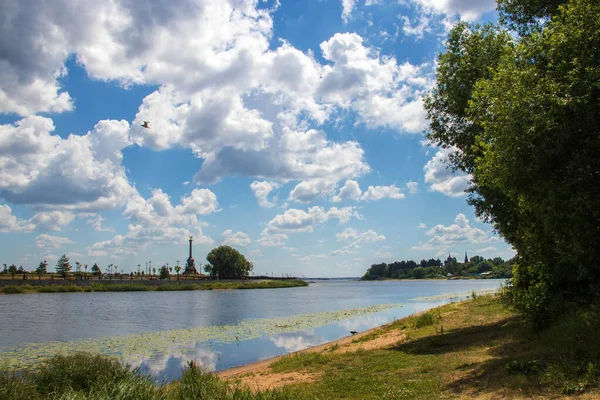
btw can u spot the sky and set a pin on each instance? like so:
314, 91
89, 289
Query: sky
292, 131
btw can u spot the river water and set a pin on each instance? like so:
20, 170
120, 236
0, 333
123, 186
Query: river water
161, 331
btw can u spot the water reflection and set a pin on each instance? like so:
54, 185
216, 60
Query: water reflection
291, 342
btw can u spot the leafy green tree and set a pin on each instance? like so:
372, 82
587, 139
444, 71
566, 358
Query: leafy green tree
12, 270
419, 273
177, 270
5, 269
164, 272
520, 113
62, 266
42, 269
227, 262
95, 269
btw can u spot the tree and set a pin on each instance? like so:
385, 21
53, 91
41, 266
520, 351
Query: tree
419, 273
62, 266
5, 269
164, 272
520, 114
227, 262
42, 269
177, 269
12, 270
95, 269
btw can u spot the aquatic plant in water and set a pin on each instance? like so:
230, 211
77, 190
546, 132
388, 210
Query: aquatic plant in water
149, 344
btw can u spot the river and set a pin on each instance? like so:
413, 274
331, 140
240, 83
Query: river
161, 331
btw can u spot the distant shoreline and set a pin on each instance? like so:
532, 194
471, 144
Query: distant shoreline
86, 286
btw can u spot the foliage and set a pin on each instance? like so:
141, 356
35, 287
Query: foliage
227, 262
62, 266
164, 272
426, 319
95, 269
42, 269
520, 113
433, 268
12, 270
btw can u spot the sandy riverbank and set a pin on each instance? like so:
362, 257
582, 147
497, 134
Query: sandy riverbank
258, 375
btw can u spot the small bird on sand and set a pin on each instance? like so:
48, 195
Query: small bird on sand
353, 332
146, 124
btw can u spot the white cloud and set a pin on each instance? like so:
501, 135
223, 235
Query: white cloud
444, 238
97, 221
45, 241
422, 226
350, 191
416, 28
468, 10
10, 223
156, 222
374, 193
307, 191
236, 239
52, 220
381, 92
272, 239
413, 187
81, 173
357, 238
294, 220
441, 178
261, 191
347, 7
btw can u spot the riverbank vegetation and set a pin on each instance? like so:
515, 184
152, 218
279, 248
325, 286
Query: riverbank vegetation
515, 106
472, 349
474, 267
141, 287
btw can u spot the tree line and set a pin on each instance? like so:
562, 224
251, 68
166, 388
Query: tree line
435, 268
224, 262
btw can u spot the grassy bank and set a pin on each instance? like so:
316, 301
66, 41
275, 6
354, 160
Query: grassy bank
139, 287
86, 376
473, 349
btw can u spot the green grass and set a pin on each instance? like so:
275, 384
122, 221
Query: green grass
87, 376
140, 287
484, 350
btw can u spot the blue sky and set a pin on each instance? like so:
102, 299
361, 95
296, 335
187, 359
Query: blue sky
292, 131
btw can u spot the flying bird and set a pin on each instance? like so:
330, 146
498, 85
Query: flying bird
146, 124
353, 332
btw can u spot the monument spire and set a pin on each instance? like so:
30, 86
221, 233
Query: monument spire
190, 266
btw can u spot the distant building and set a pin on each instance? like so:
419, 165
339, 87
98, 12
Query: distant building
190, 266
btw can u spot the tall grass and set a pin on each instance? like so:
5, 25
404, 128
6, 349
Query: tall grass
87, 376
426, 319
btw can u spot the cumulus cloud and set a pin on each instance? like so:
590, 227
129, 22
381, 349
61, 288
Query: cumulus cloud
10, 223
347, 7
468, 10
307, 191
413, 187
374, 193
294, 220
236, 239
45, 241
82, 173
350, 191
261, 190
357, 238
155, 221
441, 178
444, 238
